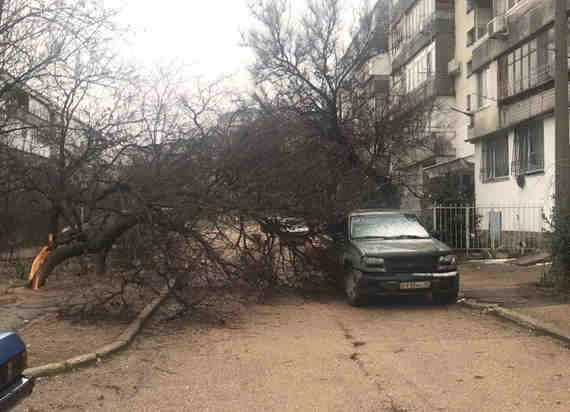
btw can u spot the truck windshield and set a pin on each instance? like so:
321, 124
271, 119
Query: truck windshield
387, 226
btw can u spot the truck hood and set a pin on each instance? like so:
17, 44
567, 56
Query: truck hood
380, 247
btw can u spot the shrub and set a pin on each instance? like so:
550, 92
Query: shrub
560, 246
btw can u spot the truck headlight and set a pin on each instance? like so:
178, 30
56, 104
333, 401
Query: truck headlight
375, 262
448, 261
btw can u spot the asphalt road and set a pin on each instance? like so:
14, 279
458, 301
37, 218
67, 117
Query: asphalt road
296, 355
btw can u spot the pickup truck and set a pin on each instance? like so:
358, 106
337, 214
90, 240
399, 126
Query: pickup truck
14, 386
387, 252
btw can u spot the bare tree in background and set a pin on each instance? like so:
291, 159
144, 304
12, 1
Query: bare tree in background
313, 83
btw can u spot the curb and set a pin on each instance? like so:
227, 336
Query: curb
124, 339
519, 319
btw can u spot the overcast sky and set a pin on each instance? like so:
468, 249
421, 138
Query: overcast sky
205, 34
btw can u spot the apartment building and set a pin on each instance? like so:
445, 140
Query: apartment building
423, 42
513, 130
488, 66
31, 123
25, 119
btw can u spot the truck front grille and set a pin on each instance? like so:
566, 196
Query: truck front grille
422, 264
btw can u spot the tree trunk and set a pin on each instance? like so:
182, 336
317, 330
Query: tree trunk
100, 243
101, 262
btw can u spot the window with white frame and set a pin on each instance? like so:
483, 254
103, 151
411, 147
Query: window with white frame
482, 87
528, 153
495, 158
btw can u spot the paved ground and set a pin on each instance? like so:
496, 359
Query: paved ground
515, 287
320, 354
21, 305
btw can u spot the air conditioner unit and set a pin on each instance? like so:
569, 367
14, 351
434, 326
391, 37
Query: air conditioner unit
453, 67
498, 27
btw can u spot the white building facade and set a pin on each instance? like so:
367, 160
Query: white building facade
514, 130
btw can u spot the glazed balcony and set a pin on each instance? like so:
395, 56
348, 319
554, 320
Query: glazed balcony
425, 93
524, 20
440, 26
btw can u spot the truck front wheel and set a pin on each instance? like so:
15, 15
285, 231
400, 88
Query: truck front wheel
353, 294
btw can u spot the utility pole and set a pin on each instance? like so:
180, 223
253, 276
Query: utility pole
562, 169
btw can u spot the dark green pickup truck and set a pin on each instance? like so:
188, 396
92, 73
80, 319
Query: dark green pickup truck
381, 253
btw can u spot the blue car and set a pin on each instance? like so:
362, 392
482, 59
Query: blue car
14, 386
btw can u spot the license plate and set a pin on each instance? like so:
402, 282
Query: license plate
415, 285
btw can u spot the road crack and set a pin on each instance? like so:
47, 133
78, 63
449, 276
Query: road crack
356, 358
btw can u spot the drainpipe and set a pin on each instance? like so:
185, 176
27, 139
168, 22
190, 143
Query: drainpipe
562, 169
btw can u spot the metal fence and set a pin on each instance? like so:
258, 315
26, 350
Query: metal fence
467, 227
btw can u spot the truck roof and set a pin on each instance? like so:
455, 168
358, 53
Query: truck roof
377, 211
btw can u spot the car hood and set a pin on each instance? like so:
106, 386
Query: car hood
10, 346
397, 246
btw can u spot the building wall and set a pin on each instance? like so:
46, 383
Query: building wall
525, 20
464, 81
486, 118
468, 43
380, 65
538, 189
23, 137
26, 124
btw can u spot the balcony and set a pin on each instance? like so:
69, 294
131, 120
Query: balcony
518, 101
485, 121
524, 21
453, 67
439, 23
539, 76
399, 8
535, 105
431, 88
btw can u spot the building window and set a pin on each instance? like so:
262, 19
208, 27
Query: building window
420, 68
469, 5
37, 137
528, 156
469, 68
39, 109
502, 6
495, 158
520, 64
482, 89
415, 21
527, 66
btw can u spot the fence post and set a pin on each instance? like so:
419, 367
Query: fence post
434, 218
467, 230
